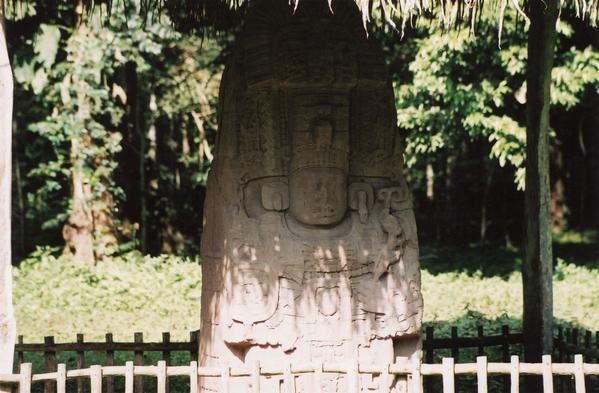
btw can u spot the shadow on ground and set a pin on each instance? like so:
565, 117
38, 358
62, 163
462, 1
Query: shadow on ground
579, 248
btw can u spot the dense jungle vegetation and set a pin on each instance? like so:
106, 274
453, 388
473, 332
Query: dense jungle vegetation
115, 120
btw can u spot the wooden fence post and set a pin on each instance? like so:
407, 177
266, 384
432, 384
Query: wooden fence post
161, 378
193, 338
80, 363
193, 377
429, 357
547, 374
455, 354
166, 354
96, 379
109, 362
49, 363
481, 374
505, 354
448, 375
138, 384
20, 354
129, 375
25, 378
579, 374
596, 385
515, 374
481, 335
61, 378
417, 379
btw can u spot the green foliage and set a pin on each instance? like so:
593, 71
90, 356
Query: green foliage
460, 87
55, 296
85, 112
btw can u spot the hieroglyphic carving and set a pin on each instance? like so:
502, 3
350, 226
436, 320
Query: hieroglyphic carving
309, 247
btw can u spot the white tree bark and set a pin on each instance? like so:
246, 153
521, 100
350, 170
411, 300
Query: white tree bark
7, 319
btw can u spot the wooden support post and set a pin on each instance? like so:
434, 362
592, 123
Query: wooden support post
61, 378
25, 378
49, 363
7, 316
138, 360
109, 362
537, 266
80, 362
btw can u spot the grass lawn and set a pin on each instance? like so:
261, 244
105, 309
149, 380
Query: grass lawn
54, 296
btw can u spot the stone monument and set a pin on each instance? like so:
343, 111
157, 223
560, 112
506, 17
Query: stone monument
309, 249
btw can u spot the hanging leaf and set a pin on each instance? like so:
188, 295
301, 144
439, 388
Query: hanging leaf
45, 44
40, 80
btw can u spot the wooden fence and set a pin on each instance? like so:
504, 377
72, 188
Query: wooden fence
352, 371
499, 347
49, 348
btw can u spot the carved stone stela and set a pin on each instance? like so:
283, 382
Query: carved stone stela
309, 248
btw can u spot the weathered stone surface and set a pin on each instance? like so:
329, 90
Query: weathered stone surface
309, 248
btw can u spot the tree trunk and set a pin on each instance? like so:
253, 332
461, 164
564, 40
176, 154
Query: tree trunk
537, 269
88, 233
592, 160
7, 318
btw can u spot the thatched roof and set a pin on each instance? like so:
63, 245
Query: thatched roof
228, 14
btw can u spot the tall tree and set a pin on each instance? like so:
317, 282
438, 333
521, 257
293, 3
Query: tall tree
7, 319
537, 269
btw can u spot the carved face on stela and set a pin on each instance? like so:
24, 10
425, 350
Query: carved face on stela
318, 178
313, 79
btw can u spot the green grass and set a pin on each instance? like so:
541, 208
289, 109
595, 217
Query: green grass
54, 296
461, 287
